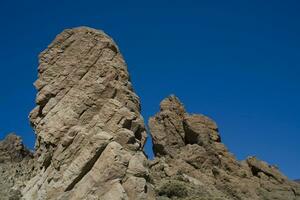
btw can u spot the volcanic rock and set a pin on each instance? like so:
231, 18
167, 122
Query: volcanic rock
90, 133
90, 137
192, 163
16, 166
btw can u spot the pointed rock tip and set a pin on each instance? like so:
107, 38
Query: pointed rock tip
13, 145
82, 30
86, 28
12, 137
172, 103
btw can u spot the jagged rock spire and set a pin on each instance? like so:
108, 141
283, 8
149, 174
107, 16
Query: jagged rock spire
90, 135
192, 162
173, 128
87, 122
16, 165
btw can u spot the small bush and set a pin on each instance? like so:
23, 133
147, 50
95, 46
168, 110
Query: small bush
173, 188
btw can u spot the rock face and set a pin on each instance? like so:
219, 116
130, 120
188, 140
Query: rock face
16, 165
89, 130
192, 163
90, 137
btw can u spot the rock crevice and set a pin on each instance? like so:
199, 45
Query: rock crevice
192, 163
90, 137
87, 121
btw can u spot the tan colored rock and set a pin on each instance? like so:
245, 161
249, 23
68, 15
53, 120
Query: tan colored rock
90, 137
136, 188
258, 167
137, 166
16, 167
116, 192
90, 133
200, 129
192, 162
166, 127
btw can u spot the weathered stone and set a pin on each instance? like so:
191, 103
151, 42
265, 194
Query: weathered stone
90, 136
136, 188
192, 162
167, 128
200, 130
16, 167
87, 121
257, 167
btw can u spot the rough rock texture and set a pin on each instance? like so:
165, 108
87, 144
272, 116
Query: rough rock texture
192, 163
89, 130
16, 166
90, 136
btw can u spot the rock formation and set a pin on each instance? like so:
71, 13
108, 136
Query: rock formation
192, 163
16, 165
90, 137
89, 130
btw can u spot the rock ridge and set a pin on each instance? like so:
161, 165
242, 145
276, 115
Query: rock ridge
87, 121
90, 136
192, 163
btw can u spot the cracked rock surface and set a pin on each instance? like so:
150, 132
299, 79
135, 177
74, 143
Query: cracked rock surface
16, 166
192, 163
87, 122
90, 137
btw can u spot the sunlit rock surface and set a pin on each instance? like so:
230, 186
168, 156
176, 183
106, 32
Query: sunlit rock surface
87, 122
192, 163
90, 137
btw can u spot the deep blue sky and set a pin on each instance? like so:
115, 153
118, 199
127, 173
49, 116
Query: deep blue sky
235, 61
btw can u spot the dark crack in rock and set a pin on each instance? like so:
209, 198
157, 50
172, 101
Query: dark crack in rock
87, 122
90, 137
192, 163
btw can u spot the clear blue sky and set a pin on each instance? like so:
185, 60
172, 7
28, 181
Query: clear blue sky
235, 61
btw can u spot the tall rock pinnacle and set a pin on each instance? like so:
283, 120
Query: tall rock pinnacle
89, 130
90, 137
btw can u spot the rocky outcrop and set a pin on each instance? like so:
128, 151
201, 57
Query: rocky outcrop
16, 166
90, 137
192, 163
89, 130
